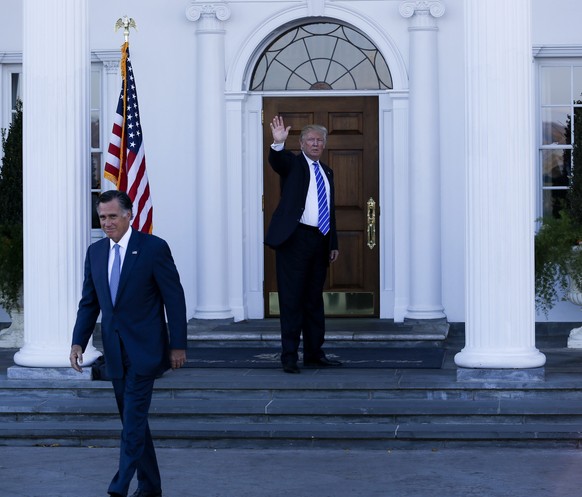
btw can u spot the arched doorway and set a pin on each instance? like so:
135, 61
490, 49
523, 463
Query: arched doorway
331, 56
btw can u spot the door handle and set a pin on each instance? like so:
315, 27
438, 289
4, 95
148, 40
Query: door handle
371, 222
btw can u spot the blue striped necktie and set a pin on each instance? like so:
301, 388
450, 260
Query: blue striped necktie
323, 217
115, 273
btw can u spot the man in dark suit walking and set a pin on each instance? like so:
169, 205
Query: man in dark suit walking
131, 278
303, 233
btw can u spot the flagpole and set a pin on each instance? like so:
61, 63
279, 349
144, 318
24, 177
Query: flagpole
125, 164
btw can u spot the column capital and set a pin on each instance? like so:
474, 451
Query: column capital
422, 11
111, 66
209, 12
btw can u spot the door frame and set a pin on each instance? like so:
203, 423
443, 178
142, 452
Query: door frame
393, 197
359, 295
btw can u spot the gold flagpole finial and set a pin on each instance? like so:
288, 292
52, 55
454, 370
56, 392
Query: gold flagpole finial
125, 23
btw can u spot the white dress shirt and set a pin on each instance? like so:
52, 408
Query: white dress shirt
311, 213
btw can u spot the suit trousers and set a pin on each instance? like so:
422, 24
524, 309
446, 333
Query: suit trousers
133, 394
302, 263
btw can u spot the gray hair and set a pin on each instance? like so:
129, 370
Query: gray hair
314, 127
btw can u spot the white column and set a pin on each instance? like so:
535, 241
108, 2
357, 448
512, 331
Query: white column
236, 218
211, 179
395, 146
500, 315
56, 176
424, 156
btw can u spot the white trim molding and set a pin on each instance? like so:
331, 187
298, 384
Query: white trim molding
539, 51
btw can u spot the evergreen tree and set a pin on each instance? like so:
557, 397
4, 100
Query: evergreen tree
575, 192
11, 251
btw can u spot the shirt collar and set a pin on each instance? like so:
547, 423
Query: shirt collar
124, 242
309, 161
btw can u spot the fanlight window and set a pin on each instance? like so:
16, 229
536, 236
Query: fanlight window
321, 56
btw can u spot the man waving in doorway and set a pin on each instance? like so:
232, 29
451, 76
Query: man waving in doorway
303, 233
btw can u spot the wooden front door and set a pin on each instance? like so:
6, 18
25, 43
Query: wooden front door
352, 286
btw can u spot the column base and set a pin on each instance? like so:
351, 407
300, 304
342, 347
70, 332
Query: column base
415, 313
24, 373
575, 338
35, 357
212, 314
500, 359
493, 376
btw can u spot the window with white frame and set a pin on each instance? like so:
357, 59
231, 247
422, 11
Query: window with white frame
96, 140
11, 91
321, 56
560, 126
15, 91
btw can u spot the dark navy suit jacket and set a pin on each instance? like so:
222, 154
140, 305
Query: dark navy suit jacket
294, 173
149, 283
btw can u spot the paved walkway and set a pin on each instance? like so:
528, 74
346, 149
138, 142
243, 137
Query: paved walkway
489, 472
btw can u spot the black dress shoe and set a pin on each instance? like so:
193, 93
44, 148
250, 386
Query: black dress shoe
143, 493
323, 362
291, 368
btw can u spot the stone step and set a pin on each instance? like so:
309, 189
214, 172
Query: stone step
215, 408
342, 410
271, 384
345, 407
355, 332
339, 332
187, 433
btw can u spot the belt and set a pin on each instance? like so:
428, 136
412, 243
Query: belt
310, 228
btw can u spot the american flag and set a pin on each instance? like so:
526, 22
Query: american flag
126, 165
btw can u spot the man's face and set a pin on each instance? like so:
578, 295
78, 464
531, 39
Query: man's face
114, 220
312, 144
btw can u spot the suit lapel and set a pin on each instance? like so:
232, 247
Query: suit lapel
306, 176
100, 263
329, 173
129, 260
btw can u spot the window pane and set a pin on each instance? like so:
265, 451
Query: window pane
321, 46
556, 167
577, 145
95, 130
95, 89
96, 171
554, 201
15, 93
366, 75
577, 93
359, 40
577, 125
297, 83
323, 28
555, 127
95, 224
293, 55
279, 78
383, 71
555, 85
